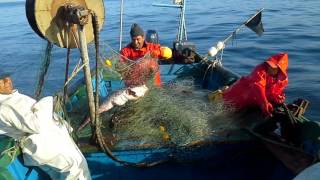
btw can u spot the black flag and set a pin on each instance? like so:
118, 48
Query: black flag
255, 24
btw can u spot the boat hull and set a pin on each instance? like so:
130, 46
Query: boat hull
230, 154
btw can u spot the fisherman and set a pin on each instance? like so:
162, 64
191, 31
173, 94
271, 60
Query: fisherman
141, 70
263, 87
136, 50
43, 136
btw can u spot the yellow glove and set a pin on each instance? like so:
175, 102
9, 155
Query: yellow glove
166, 52
108, 63
215, 96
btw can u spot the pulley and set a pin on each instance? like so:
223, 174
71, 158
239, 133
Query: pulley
54, 20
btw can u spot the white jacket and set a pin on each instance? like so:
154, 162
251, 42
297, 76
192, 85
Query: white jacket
310, 173
47, 141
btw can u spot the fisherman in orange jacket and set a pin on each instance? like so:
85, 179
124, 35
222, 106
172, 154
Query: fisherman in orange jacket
139, 69
136, 50
263, 87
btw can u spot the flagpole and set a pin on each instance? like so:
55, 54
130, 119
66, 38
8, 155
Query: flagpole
241, 26
250, 23
254, 16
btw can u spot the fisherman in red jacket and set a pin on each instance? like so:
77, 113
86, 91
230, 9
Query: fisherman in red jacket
134, 53
263, 87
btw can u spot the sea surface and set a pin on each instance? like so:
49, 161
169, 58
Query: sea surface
291, 26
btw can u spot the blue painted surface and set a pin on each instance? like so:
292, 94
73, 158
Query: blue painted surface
242, 167
19, 171
228, 162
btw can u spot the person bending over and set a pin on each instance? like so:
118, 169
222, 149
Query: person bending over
44, 137
263, 87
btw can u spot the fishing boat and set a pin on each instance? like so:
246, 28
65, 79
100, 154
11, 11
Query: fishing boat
118, 146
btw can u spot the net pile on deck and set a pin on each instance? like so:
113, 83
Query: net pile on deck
176, 114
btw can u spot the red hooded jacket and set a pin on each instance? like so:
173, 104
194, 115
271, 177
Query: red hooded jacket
260, 88
133, 54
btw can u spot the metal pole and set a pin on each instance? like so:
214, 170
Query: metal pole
182, 34
167, 5
180, 26
241, 26
121, 24
184, 30
86, 69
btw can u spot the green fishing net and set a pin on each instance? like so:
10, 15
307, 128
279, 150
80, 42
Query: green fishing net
177, 114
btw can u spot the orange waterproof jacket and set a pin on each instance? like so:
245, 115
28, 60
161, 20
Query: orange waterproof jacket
133, 54
260, 88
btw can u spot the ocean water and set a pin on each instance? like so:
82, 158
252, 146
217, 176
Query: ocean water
291, 26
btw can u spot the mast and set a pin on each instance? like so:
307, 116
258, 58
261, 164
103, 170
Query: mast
121, 24
181, 4
182, 36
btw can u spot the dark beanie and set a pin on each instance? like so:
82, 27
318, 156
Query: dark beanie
136, 30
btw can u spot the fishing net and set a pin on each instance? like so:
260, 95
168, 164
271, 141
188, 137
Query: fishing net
116, 70
46, 59
132, 72
177, 115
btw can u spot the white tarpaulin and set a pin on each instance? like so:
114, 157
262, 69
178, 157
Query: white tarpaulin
47, 142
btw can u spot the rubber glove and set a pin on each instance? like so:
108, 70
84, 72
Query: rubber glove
267, 109
166, 52
281, 99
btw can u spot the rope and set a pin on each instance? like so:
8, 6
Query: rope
74, 36
77, 68
11, 152
95, 26
65, 89
221, 55
75, 71
212, 65
44, 69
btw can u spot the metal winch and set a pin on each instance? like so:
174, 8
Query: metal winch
70, 24
57, 20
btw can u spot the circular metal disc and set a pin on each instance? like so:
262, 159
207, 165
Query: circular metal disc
44, 18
